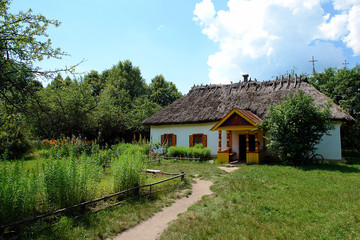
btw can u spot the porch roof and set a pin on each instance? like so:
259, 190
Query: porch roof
250, 117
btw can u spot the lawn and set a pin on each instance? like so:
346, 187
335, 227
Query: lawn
277, 202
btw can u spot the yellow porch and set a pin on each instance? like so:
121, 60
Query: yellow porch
245, 140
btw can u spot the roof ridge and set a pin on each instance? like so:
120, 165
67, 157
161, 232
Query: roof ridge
257, 84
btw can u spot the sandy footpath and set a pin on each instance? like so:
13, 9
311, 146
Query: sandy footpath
154, 226
228, 169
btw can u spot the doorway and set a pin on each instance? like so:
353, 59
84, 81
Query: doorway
242, 148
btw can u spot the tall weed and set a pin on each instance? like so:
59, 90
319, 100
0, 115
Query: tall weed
70, 181
127, 171
18, 192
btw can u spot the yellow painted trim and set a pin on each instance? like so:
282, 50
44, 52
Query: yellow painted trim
218, 124
246, 128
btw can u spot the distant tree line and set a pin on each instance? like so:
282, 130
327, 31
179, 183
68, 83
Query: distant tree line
106, 107
343, 87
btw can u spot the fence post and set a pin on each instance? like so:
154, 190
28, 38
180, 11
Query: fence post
182, 177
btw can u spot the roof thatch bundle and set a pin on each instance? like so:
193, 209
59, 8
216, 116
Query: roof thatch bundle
211, 103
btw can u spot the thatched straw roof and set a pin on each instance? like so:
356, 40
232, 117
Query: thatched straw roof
210, 103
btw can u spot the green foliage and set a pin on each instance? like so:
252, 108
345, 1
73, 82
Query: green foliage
18, 193
198, 151
63, 111
343, 87
24, 43
14, 137
163, 92
295, 126
127, 171
69, 181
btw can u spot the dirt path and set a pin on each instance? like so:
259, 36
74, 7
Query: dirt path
228, 169
154, 226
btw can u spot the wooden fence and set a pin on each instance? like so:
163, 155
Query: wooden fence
158, 158
135, 189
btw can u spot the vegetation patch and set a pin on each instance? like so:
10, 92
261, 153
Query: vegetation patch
198, 151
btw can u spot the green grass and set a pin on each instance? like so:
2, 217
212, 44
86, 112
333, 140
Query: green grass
254, 202
277, 202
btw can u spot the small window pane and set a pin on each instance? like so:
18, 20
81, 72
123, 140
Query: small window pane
197, 138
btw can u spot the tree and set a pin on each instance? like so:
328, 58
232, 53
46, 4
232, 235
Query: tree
295, 126
127, 77
163, 92
64, 110
343, 87
24, 42
95, 80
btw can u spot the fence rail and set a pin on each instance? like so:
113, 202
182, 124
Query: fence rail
136, 190
158, 158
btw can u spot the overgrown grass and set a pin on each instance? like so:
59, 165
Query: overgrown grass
277, 202
128, 171
18, 192
69, 181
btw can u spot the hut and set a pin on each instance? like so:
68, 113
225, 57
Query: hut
225, 118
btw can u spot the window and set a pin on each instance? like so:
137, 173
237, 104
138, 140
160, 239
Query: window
168, 139
198, 138
251, 143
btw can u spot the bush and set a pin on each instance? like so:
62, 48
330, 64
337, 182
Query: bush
18, 193
14, 138
127, 171
198, 151
295, 126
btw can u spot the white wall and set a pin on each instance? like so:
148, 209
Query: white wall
183, 131
330, 146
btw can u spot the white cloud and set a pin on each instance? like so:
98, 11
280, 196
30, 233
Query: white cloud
335, 28
344, 4
204, 11
353, 39
269, 37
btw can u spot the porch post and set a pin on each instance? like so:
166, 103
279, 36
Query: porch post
219, 148
228, 140
256, 143
247, 142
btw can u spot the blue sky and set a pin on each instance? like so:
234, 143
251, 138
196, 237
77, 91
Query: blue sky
201, 42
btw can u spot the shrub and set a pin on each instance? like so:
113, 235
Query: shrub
198, 151
69, 181
14, 137
295, 126
127, 171
18, 193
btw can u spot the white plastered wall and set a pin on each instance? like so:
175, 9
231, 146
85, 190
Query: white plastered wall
330, 145
183, 131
